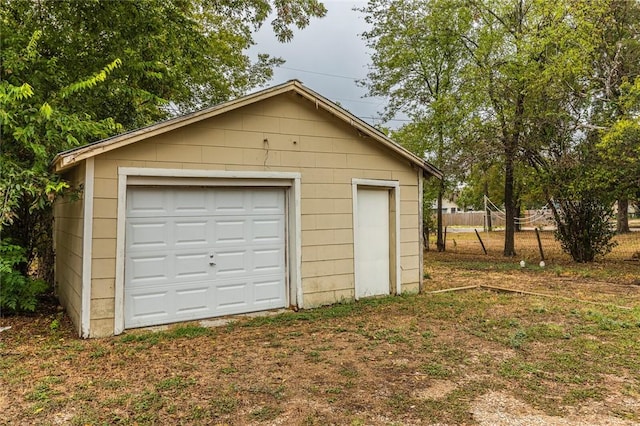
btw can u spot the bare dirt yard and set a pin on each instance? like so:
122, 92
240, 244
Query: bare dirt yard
476, 356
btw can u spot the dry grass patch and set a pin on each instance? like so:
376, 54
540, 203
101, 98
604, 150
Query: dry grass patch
425, 359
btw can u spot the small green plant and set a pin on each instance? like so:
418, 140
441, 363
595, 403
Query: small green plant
54, 325
174, 383
314, 356
266, 413
350, 372
188, 332
18, 292
517, 339
229, 370
435, 370
223, 405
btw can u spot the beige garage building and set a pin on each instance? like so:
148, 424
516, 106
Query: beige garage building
277, 199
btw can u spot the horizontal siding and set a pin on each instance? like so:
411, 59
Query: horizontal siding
68, 231
287, 134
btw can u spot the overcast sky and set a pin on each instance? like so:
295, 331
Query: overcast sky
328, 56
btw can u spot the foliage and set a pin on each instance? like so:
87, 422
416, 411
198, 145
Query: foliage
584, 228
416, 56
619, 147
177, 55
17, 292
75, 72
528, 85
37, 122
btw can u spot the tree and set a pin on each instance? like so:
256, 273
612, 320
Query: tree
616, 66
75, 72
177, 55
34, 126
619, 150
521, 79
417, 55
518, 50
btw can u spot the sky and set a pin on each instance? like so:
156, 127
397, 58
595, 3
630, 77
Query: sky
328, 57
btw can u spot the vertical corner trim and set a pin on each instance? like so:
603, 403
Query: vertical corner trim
298, 244
421, 232
87, 242
118, 325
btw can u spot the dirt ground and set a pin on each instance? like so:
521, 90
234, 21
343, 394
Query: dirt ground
468, 357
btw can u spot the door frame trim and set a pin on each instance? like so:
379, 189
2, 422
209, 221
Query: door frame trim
393, 188
129, 176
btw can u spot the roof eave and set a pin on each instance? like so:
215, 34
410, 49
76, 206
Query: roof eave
68, 159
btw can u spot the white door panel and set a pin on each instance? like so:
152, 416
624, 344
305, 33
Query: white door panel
201, 252
372, 248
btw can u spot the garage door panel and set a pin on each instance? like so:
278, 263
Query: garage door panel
189, 201
268, 202
150, 268
267, 230
192, 265
230, 231
168, 275
267, 292
228, 262
148, 308
147, 234
230, 201
189, 233
147, 202
268, 261
193, 300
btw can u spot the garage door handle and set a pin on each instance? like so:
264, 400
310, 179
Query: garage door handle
211, 262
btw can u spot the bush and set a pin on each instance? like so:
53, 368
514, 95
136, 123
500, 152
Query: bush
584, 228
17, 291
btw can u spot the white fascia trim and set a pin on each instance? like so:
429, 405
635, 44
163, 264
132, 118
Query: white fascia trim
391, 184
87, 243
125, 173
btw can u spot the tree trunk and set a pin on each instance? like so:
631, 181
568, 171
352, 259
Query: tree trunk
440, 240
425, 234
622, 223
511, 143
518, 211
509, 232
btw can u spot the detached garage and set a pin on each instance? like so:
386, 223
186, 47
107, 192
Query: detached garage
278, 199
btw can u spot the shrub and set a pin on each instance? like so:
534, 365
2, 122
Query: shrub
584, 228
17, 291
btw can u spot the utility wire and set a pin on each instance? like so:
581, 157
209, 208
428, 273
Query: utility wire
321, 73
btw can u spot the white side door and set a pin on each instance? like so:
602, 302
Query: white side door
372, 247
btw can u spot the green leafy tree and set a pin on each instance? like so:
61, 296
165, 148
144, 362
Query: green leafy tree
520, 49
417, 55
616, 66
619, 149
35, 125
75, 72
177, 55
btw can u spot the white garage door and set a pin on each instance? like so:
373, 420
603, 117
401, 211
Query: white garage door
198, 252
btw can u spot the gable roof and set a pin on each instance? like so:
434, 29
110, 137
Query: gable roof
67, 159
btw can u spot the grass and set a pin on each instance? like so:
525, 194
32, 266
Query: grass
394, 360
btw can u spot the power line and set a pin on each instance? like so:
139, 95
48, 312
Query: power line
347, 100
389, 119
321, 73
